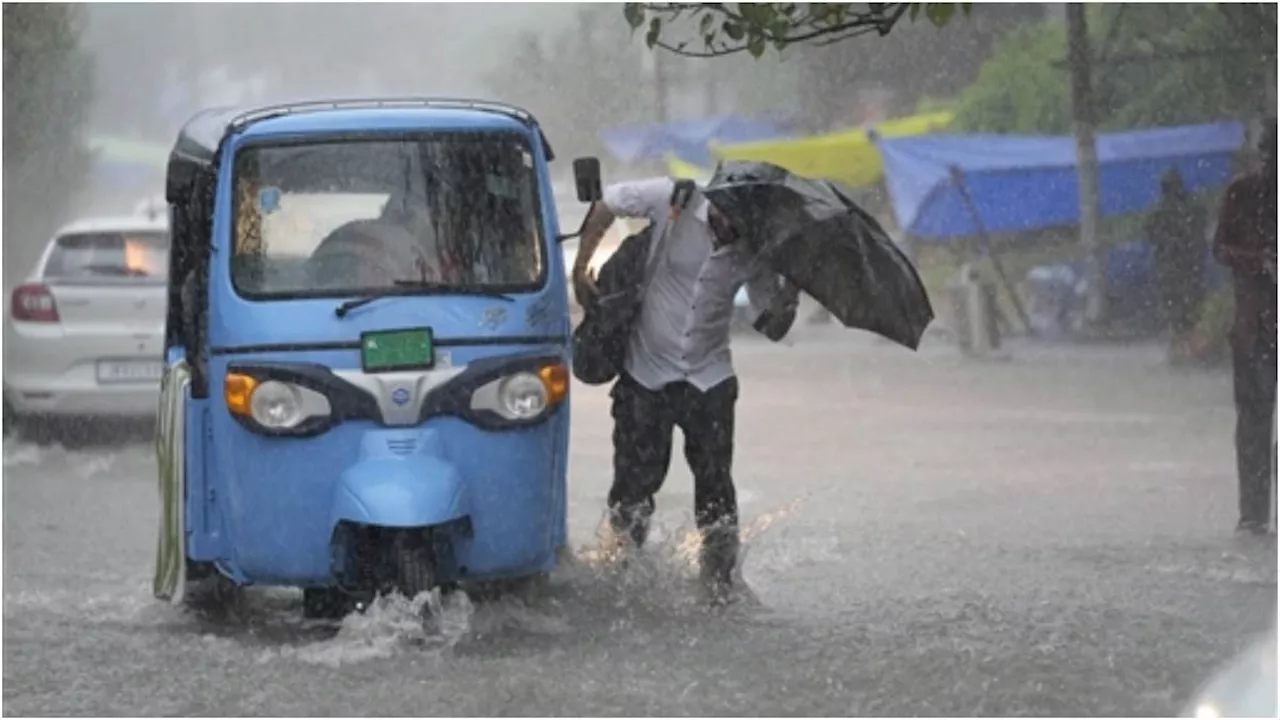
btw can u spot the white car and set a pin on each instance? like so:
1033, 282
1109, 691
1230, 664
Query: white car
84, 335
1246, 687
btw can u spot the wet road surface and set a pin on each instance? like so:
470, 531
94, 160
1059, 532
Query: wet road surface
925, 536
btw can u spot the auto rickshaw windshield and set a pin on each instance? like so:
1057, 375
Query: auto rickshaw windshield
345, 217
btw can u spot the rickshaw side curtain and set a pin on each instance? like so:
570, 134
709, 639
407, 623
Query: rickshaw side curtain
848, 157
1020, 183
169, 579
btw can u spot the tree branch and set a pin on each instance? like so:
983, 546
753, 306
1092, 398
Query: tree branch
681, 51
728, 29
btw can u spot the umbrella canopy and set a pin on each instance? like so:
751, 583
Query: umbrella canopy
812, 233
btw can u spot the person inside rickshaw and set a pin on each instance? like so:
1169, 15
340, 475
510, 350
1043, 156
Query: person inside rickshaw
367, 254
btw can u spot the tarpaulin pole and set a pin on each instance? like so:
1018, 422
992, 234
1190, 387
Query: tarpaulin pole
1087, 179
957, 179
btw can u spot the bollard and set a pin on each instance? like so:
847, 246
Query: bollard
973, 302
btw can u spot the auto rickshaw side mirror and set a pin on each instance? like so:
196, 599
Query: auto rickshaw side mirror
586, 176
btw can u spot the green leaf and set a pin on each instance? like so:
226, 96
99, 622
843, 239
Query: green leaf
655, 31
755, 45
634, 13
704, 25
940, 13
733, 30
915, 11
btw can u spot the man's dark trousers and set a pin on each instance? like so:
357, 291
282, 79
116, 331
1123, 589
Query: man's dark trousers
1254, 368
643, 424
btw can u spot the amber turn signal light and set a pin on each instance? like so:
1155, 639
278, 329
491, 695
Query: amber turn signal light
237, 391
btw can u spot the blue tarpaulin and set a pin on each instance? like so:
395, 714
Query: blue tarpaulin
1020, 183
686, 140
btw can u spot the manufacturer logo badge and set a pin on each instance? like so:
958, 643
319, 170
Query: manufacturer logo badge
492, 318
400, 396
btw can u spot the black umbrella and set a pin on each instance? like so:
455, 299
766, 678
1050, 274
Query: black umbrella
812, 233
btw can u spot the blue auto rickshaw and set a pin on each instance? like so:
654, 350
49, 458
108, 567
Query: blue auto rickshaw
366, 344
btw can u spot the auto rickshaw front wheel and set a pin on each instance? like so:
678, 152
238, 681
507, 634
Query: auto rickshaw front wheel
413, 567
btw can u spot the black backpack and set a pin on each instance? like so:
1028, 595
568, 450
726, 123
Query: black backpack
600, 340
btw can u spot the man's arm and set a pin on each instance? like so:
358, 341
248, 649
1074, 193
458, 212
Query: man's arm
639, 199
773, 302
599, 218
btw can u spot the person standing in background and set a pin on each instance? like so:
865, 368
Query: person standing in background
1245, 241
1176, 231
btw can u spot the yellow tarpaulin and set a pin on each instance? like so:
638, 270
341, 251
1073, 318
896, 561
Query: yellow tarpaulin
678, 168
848, 156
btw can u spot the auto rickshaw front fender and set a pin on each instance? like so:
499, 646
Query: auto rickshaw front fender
400, 481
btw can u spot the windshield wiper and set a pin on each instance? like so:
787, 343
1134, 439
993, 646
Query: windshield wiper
418, 287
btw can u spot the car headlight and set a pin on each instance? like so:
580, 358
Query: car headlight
273, 404
524, 396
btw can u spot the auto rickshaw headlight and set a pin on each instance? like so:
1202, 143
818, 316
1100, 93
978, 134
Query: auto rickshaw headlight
276, 405
522, 396
273, 404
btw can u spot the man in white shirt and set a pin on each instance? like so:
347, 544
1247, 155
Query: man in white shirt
678, 368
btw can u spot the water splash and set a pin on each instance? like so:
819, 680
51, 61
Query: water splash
18, 453
85, 463
93, 464
597, 591
390, 625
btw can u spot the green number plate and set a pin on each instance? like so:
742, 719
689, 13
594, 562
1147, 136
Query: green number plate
388, 350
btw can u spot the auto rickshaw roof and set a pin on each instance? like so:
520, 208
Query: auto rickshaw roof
201, 138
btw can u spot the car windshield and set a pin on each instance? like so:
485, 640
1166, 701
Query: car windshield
99, 255
340, 218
